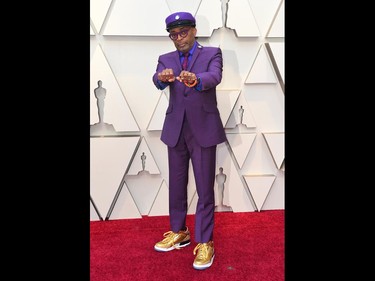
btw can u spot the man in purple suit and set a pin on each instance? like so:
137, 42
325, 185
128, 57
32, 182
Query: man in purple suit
192, 129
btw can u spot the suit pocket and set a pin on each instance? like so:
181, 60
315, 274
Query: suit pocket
210, 108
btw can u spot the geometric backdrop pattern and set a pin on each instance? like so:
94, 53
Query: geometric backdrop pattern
128, 161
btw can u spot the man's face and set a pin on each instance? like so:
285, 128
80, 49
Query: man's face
183, 37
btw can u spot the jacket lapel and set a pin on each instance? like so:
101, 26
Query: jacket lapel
196, 53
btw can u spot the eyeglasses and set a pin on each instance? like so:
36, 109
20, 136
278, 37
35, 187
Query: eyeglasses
182, 33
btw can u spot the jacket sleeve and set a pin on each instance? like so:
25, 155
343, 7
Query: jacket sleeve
212, 77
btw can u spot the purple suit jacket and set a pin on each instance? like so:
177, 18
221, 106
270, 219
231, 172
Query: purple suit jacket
200, 107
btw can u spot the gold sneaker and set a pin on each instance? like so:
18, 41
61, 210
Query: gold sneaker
173, 241
205, 256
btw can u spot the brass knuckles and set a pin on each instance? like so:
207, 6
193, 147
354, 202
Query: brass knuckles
166, 78
188, 78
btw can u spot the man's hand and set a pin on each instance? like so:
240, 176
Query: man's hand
166, 75
187, 77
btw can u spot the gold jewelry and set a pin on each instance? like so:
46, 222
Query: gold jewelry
191, 85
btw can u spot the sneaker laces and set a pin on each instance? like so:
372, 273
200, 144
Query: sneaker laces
169, 236
203, 250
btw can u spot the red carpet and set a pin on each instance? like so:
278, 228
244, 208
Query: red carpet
249, 246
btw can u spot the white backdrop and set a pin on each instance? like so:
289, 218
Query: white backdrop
126, 39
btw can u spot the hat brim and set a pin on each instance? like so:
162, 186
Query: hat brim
179, 23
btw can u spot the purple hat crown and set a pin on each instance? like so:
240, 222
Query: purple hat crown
179, 19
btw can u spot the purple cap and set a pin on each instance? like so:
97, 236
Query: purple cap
179, 19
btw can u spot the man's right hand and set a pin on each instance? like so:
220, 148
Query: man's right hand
166, 75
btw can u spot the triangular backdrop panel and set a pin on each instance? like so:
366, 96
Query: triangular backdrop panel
226, 99
276, 53
94, 215
208, 17
241, 19
125, 207
238, 56
137, 18
157, 118
240, 145
276, 144
278, 25
109, 159
236, 194
91, 30
190, 6
241, 115
98, 11
93, 46
262, 70
116, 109
143, 161
143, 188
259, 186
160, 206
264, 13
